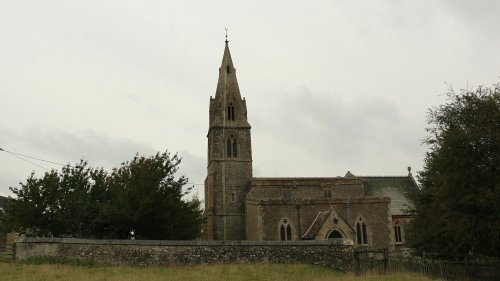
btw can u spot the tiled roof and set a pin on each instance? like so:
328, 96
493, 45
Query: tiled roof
394, 187
316, 225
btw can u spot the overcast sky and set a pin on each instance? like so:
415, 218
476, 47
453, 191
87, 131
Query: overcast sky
331, 86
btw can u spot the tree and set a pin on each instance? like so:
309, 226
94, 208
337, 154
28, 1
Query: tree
3, 228
148, 201
142, 197
59, 203
457, 208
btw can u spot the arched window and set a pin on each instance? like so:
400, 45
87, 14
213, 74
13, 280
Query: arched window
231, 147
335, 234
361, 232
285, 230
230, 112
397, 232
228, 69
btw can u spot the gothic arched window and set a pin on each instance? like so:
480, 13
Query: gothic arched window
397, 232
285, 230
231, 147
361, 232
230, 112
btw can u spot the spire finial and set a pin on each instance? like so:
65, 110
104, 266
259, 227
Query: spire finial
226, 35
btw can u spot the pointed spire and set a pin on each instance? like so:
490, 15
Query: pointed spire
227, 84
228, 94
227, 62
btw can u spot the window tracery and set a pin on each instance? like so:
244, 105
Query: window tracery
361, 232
397, 232
285, 230
231, 147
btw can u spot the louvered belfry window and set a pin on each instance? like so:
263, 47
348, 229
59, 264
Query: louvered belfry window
230, 112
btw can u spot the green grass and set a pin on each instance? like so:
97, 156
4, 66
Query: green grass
237, 272
4, 257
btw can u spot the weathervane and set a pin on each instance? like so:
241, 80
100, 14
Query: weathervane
226, 34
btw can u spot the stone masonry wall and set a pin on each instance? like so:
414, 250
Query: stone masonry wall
335, 253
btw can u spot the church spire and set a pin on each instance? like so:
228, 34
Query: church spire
228, 95
227, 86
229, 168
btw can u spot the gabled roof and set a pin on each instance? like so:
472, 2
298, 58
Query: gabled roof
316, 225
326, 221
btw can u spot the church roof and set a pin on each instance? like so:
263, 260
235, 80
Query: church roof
316, 225
397, 188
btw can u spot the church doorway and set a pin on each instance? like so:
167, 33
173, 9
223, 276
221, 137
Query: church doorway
335, 234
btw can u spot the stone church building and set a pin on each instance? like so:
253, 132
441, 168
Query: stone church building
238, 206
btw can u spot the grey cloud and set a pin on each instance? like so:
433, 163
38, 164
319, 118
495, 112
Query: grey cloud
194, 167
97, 148
356, 133
65, 147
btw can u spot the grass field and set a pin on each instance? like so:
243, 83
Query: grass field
237, 272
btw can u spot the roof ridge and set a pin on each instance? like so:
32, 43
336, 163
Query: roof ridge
318, 220
383, 176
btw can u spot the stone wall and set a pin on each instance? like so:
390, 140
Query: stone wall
335, 253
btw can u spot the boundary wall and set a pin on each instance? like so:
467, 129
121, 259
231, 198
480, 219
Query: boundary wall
334, 253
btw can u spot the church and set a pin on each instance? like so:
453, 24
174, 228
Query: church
238, 206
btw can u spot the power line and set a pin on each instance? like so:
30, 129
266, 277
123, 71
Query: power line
31, 157
23, 156
20, 156
24, 159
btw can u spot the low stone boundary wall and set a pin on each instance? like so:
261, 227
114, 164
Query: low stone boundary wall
335, 253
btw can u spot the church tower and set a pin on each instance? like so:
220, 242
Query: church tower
229, 158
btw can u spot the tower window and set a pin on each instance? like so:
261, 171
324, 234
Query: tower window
361, 232
285, 230
231, 147
397, 232
228, 69
233, 197
230, 112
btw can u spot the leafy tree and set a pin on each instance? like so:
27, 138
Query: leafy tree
142, 198
59, 203
3, 227
457, 208
148, 200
